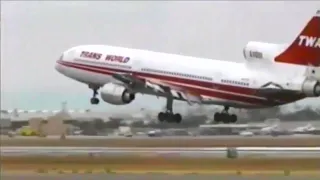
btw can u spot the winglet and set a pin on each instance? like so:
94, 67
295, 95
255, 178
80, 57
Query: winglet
305, 49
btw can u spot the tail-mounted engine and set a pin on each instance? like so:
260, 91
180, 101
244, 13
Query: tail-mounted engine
259, 51
116, 94
311, 88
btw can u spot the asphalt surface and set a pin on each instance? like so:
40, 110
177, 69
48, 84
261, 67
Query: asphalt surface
189, 141
166, 137
5, 176
172, 152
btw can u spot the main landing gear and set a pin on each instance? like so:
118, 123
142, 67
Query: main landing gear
225, 117
168, 115
94, 99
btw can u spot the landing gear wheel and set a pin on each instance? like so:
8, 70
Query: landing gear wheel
225, 117
94, 100
233, 118
217, 117
168, 115
177, 118
161, 116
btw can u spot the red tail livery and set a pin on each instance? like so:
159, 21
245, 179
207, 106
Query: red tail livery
305, 50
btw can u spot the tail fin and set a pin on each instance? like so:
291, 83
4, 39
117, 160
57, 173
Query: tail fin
305, 50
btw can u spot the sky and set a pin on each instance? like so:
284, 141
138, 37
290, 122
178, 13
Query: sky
34, 34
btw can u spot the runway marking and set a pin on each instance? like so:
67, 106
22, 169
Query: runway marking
169, 172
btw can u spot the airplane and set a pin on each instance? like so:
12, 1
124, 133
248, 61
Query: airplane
120, 73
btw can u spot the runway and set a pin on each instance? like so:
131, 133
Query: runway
5, 176
163, 151
166, 141
140, 137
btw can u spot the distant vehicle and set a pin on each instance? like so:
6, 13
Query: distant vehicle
128, 135
27, 131
77, 132
154, 133
124, 131
140, 133
269, 129
246, 133
121, 73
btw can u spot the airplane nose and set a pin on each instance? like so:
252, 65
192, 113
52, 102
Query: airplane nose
58, 66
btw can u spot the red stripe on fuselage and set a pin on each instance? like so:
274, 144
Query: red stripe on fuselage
242, 91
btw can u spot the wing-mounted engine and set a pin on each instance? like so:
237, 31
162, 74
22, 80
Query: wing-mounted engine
116, 94
259, 51
311, 88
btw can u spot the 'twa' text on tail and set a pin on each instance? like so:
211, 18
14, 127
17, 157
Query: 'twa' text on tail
305, 49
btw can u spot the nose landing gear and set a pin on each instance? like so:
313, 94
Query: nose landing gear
94, 100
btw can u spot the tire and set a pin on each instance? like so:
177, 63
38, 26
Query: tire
161, 116
94, 101
225, 118
177, 118
217, 117
233, 118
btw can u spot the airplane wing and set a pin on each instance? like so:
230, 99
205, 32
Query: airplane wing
160, 87
272, 90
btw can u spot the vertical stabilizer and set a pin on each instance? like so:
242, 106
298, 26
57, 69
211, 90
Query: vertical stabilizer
305, 49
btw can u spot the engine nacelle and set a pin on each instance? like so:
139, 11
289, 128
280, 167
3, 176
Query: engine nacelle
116, 94
311, 88
260, 51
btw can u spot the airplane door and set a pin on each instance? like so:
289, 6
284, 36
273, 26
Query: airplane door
136, 67
216, 78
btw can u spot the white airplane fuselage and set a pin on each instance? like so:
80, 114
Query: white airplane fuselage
214, 81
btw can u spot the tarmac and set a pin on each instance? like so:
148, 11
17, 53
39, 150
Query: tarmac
139, 137
6, 176
209, 152
143, 164
174, 141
